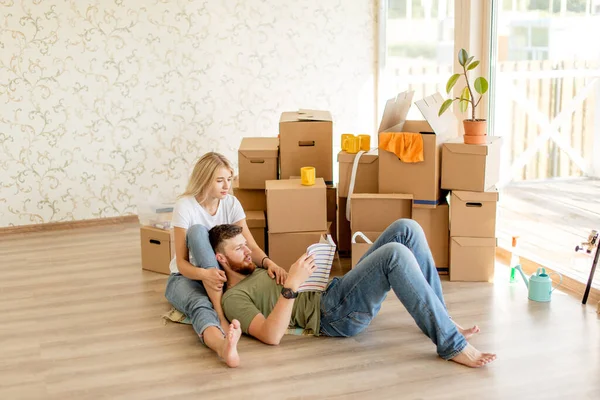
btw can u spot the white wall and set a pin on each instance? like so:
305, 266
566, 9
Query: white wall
103, 102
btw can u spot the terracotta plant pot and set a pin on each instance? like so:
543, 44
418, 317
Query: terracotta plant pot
475, 131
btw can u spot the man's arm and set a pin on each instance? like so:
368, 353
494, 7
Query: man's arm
270, 330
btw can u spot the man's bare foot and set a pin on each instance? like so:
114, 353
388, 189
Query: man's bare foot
467, 333
230, 353
471, 357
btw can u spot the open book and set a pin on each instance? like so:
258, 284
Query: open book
324, 252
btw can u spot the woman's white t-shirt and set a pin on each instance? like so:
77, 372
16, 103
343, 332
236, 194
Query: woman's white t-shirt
188, 212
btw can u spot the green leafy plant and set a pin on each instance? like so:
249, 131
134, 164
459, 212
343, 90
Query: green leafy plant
480, 85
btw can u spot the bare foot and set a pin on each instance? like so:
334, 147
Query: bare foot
230, 353
467, 333
471, 357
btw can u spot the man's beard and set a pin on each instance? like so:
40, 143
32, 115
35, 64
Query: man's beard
244, 267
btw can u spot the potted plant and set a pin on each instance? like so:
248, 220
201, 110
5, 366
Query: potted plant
475, 129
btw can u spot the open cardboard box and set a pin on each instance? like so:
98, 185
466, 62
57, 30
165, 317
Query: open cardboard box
306, 139
421, 179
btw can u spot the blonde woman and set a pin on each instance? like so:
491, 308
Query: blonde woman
195, 286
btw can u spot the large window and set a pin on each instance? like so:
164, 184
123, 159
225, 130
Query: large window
419, 48
545, 103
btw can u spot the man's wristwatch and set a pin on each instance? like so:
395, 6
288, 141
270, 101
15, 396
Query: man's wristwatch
288, 293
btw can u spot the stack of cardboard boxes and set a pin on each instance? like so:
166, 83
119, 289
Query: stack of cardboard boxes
156, 236
471, 172
269, 172
461, 234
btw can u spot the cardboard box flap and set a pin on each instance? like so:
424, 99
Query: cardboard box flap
471, 197
395, 112
367, 158
475, 242
259, 147
305, 115
292, 184
256, 219
381, 196
445, 125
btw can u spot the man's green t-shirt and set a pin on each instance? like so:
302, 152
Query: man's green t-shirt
258, 294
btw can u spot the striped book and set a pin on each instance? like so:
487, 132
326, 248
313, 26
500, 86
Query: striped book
324, 252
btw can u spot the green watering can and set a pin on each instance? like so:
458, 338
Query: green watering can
540, 284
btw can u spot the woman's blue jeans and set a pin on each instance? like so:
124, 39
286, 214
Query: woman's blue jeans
189, 296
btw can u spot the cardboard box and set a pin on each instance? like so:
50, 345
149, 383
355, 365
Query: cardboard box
158, 249
306, 139
374, 212
421, 179
473, 214
367, 173
343, 226
332, 211
472, 259
257, 161
360, 246
257, 224
292, 207
471, 167
286, 248
251, 199
435, 224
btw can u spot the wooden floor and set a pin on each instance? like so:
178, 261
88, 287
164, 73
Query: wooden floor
551, 218
81, 320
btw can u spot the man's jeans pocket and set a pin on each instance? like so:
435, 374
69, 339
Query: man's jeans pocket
350, 325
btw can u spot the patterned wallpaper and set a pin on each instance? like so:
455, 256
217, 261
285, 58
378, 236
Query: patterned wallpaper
106, 103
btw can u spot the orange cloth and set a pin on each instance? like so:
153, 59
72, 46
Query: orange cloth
407, 146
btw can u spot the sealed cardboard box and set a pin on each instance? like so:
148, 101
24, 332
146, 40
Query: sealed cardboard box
360, 245
306, 139
250, 199
473, 214
286, 248
258, 161
471, 167
472, 259
292, 207
344, 232
257, 224
157, 249
421, 178
374, 212
367, 172
435, 224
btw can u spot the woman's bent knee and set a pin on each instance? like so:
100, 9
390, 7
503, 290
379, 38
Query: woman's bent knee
197, 232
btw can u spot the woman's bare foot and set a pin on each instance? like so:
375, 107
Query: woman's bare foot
467, 333
471, 357
229, 352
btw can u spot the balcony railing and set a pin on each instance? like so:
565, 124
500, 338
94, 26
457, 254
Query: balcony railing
548, 113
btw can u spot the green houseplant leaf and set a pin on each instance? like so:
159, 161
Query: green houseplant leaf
451, 82
473, 65
462, 57
480, 85
445, 105
465, 96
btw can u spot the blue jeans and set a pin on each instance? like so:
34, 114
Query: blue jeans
189, 296
400, 260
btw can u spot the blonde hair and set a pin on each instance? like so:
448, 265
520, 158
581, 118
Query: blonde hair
204, 174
